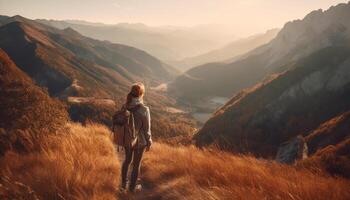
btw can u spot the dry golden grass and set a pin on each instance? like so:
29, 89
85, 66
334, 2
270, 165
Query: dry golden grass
190, 173
333, 159
79, 163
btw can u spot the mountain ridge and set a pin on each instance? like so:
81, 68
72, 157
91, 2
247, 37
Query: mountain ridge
260, 119
88, 74
228, 53
79, 50
296, 40
166, 43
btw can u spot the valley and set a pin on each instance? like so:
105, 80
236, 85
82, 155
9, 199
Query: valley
200, 111
89, 75
164, 42
265, 116
203, 110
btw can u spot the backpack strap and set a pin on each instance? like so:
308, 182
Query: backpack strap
134, 109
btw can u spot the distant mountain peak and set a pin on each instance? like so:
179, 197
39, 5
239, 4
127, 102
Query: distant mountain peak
68, 55
14, 26
314, 14
71, 31
18, 17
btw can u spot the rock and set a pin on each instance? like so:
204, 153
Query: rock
292, 150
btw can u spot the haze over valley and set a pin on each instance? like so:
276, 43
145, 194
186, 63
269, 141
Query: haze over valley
248, 99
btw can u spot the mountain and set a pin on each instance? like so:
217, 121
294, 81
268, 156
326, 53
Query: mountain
329, 145
164, 42
64, 53
297, 39
333, 159
27, 111
91, 76
331, 132
257, 120
58, 57
229, 52
36, 135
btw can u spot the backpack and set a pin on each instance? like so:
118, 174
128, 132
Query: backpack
124, 133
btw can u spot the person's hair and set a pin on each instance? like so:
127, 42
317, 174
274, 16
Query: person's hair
137, 91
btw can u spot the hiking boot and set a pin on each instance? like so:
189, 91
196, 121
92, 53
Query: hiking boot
137, 188
124, 185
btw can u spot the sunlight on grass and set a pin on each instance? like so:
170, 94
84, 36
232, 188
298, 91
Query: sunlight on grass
80, 163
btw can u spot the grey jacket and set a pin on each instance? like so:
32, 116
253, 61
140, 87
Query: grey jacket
142, 120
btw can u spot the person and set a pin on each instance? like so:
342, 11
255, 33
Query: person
142, 120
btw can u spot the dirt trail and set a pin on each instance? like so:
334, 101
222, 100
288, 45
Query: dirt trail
147, 192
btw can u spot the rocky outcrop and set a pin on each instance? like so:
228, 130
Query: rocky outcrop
292, 150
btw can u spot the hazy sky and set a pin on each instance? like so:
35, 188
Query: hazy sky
246, 16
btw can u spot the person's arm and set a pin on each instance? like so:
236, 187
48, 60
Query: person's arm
147, 127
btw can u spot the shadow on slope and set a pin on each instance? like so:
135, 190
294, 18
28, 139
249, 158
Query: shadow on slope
329, 145
43, 157
27, 112
258, 120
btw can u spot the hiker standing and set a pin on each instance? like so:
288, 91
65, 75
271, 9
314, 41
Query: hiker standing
134, 133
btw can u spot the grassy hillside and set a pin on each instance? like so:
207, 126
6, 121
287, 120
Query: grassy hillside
78, 163
332, 159
81, 163
43, 157
329, 145
187, 172
71, 65
258, 120
27, 112
56, 58
331, 132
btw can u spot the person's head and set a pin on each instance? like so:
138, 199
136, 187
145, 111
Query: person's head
137, 91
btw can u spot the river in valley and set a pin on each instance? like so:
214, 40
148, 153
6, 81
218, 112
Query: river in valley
200, 111
211, 104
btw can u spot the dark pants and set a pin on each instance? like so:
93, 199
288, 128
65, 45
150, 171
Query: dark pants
136, 156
